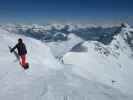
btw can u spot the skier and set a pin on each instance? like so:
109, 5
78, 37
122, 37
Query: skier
22, 51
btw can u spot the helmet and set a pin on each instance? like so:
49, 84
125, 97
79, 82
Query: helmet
20, 40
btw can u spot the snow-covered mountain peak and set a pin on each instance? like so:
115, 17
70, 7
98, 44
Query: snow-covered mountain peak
124, 39
125, 25
126, 31
113, 59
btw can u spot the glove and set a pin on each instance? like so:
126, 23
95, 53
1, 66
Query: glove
11, 51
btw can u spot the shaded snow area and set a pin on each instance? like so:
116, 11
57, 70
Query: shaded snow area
82, 78
59, 48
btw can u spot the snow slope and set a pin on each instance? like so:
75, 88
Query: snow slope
46, 79
61, 47
110, 64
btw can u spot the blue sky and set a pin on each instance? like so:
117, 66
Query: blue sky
75, 11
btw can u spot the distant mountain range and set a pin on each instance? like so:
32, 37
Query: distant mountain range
60, 32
